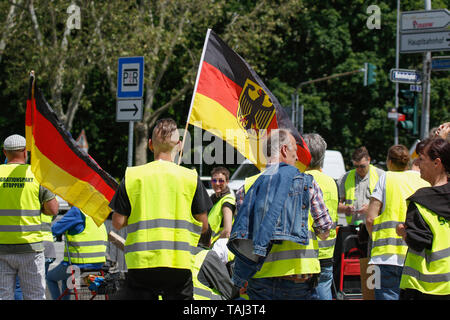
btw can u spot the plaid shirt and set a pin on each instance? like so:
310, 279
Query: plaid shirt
319, 211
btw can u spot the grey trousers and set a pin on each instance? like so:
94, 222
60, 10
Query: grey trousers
30, 267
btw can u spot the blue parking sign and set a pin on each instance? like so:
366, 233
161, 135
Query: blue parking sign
130, 77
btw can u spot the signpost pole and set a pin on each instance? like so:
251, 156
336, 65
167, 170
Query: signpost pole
425, 117
130, 143
397, 65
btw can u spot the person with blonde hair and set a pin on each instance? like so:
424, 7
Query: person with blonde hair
387, 209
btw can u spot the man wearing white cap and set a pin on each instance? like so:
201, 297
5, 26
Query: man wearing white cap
21, 201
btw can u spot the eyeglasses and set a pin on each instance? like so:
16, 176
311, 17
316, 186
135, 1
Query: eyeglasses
361, 166
217, 181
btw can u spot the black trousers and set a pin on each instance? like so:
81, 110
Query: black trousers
149, 284
411, 294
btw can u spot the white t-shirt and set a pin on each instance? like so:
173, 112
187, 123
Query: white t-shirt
379, 193
220, 247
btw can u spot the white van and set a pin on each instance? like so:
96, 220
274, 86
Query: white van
333, 166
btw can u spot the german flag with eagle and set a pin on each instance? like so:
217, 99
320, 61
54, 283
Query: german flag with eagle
232, 102
60, 165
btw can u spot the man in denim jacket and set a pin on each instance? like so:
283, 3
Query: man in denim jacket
272, 238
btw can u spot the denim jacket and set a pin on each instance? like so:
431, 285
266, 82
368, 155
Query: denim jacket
275, 208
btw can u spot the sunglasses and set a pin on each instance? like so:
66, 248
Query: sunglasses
217, 180
361, 166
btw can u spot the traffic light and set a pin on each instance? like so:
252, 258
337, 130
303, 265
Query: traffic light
369, 73
408, 109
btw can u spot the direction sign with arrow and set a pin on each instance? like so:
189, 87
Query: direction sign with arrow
426, 41
428, 20
129, 110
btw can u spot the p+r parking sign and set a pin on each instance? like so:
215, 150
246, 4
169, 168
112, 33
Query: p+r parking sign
130, 77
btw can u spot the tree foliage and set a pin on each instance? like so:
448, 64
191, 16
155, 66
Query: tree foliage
286, 41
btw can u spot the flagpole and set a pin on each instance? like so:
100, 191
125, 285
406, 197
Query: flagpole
32, 84
193, 95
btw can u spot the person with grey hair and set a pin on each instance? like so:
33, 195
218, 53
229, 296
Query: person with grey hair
287, 268
317, 146
273, 144
22, 199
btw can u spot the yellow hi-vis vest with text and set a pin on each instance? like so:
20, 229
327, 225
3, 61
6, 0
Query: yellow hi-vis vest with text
350, 185
428, 271
289, 258
202, 292
399, 186
215, 216
331, 199
20, 209
161, 229
89, 246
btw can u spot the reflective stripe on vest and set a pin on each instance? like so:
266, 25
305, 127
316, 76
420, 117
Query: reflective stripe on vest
428, 271
350, 185
385, 241
215, 216
89, 246
202, 292
20, 209
289, 258
161, 229
164, 223
331, 199
19, 213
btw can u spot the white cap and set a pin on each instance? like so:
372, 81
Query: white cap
14, 142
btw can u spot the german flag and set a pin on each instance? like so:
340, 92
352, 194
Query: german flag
232, 102
60, 165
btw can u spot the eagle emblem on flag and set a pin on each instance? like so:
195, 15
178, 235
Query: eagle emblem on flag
255, 110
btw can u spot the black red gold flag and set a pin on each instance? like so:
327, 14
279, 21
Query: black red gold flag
232, 102
60, 165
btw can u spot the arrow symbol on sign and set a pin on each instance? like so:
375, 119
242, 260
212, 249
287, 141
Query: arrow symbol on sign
135, 109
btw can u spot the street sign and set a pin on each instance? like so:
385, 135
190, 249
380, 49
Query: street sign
82, 141
130, 77
422, 42
429, 20
392, 114
129, 110
415, 87
440, 63
405, 76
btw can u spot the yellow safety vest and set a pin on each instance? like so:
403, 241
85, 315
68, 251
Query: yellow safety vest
289, 258
20, 209
46, 224
428, 271
202, 292
399, 186
350, 185
161, 229
331, 199
88, 246
215, 216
